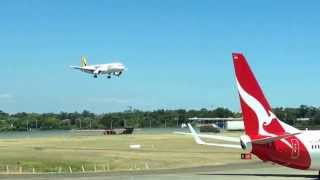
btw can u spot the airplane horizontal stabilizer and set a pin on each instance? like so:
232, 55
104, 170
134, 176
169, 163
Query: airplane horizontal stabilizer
209, 136
201, 142
272, 139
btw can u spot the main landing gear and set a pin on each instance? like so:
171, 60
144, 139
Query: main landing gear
95, 76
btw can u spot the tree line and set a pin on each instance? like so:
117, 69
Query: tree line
139, 119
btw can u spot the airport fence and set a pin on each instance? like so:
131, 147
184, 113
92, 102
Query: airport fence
83, 168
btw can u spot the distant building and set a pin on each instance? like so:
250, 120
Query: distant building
223, 123
303, 119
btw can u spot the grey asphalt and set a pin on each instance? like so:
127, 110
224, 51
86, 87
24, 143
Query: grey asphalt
251, 171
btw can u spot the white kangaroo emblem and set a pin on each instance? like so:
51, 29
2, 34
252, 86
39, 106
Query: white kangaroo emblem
264, 119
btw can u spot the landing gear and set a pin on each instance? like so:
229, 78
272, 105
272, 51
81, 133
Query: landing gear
95, 76
109, 76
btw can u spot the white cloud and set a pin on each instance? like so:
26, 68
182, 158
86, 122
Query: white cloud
6, 96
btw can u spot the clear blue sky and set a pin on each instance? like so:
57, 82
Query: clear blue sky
178, 53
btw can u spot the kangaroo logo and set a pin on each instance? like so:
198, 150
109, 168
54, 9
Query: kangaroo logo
266, 122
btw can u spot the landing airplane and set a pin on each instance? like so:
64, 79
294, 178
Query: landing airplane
100, 69
265, 135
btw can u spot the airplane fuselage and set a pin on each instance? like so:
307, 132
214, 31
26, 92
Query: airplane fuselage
301, 151
104, 68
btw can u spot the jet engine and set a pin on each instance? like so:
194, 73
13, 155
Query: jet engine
117, 73
246, 143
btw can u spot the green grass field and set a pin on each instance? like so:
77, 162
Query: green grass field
158, 151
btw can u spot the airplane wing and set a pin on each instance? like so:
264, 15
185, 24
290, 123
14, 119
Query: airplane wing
207, 136
201, 142
231, 139
84, 68
75, 67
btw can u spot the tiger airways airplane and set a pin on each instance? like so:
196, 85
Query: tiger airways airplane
267, 137
115, 69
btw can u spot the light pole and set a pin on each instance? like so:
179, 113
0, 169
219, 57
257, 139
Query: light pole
124, 123
150, 123
177, 119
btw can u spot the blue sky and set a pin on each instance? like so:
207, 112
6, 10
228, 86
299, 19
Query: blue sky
178, 53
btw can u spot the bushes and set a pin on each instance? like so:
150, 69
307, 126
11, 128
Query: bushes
136, 118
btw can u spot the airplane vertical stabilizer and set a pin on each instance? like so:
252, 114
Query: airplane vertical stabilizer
83, 61
258, 117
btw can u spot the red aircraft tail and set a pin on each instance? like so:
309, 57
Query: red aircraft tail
259, 121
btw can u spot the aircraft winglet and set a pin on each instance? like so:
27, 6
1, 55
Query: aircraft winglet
195, 135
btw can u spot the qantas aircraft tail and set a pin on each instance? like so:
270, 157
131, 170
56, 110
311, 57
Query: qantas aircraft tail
259, 120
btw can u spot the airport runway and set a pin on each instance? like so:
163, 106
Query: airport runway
253, 171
